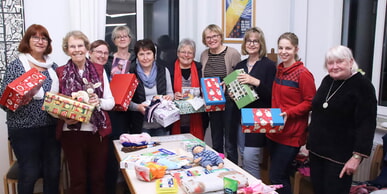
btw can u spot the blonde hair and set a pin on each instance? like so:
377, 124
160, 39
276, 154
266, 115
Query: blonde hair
212, 28
261, 41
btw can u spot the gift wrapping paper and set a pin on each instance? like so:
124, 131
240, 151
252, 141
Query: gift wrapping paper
261, 120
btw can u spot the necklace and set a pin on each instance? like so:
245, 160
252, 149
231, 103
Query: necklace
325, 104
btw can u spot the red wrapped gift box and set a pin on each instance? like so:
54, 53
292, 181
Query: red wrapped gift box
123, 87
261, 120
213, 94
20, 91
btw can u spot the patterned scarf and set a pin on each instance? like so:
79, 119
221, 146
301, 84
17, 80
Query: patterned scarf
73, 82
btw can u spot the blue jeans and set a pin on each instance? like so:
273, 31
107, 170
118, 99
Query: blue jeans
38, 154
281, 158
251, 160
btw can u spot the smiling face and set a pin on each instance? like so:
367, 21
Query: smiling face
38, 44
99, 54
77, 51
339, 69
213, 39
185, 56
122, 39
146, 58
252, 44
287, 52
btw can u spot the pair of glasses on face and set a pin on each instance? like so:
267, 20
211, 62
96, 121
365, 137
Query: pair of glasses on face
252, 42
37, 39
101, 53
122, 37
189, 53
213, 37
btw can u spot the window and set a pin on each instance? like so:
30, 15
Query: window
160, 22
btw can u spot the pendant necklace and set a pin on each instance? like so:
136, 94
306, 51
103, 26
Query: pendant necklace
325, 104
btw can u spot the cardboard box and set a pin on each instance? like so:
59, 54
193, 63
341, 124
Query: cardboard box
65, 106
213, 108
242, 94
261, 120
166, 115
191, 101
212, 91
21, 90
123, 87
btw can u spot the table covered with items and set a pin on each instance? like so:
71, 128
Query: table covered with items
181, 164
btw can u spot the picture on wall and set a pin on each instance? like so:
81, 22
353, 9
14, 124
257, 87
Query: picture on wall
11, 31
238, 16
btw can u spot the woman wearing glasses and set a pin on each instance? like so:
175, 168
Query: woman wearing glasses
260, 74
31, 130
218, 61
186, 72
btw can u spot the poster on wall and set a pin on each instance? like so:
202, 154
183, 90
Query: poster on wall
238, 16
11, 31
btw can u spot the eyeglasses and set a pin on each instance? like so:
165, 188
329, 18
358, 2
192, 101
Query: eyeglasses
37, 39
208, 38
122, 37
186, 53
254, 42
101, 53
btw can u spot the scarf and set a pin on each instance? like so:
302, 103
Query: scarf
196, 127
149, 81
72, 82
25, 57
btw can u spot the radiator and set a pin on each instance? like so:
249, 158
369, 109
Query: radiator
363, 171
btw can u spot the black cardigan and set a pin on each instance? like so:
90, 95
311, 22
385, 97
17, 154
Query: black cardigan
264, 70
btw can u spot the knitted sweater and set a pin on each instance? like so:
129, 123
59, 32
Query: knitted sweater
348, 124
293, 91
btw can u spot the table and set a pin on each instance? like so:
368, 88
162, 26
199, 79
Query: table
171, 142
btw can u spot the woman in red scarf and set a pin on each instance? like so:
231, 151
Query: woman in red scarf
186, 73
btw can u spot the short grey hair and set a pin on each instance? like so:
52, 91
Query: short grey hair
187, 42
341, 52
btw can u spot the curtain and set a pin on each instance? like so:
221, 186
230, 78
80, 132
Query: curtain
88, 16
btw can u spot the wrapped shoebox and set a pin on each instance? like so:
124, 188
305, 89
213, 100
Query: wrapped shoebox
213, 94
123, 87
65, 106
20, 91
191, 102
261, 120
166, 113
242, 94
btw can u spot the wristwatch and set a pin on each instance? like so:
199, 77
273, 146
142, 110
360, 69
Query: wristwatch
356, 156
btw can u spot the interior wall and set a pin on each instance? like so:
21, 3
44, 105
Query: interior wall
315, 23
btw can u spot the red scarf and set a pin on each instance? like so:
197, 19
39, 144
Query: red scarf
196, 127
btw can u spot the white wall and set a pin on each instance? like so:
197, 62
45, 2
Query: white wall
317, 24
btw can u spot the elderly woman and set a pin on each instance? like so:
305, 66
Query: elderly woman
153, 80
260, 74
31, 130
218, 61
187, 73
342, 125
120, 61
85, 145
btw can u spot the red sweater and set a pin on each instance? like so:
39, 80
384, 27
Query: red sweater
293, 91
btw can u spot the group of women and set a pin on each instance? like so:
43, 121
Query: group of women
341, 127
